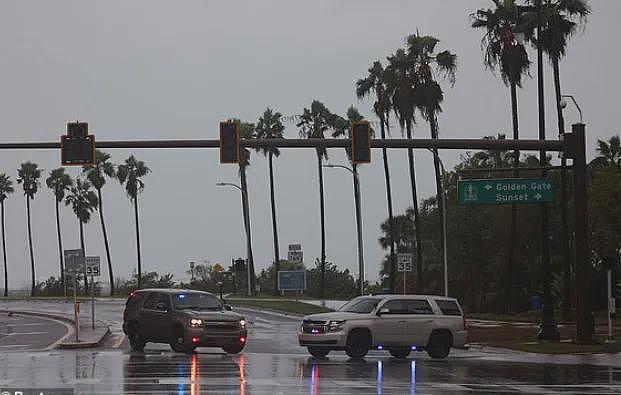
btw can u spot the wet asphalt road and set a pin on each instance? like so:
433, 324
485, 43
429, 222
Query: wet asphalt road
272, 363
21, 332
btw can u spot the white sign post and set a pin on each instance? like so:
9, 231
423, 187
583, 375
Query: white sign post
74, 264
404, 265
93, 268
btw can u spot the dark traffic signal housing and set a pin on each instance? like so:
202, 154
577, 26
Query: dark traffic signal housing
77, 147
229, 142
361, 142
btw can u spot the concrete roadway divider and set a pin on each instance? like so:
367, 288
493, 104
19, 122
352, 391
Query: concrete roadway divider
89, 338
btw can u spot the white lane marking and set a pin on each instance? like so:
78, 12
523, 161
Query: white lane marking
84, 381
15, 345
5, 382
31, 324
25, 333
69, 333
118, 341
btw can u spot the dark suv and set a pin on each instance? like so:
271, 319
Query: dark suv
184, 319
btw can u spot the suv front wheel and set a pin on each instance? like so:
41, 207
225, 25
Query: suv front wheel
439, 345
136, 342
234, 348
358, 344
318, 352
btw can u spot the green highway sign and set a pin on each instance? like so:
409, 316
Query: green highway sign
506, 191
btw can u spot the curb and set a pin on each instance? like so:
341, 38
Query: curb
74, 345
65, 345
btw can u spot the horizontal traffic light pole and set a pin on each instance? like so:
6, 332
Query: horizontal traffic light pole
462, 144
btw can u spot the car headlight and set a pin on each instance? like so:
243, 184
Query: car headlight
196, 322
242, 324
335, 326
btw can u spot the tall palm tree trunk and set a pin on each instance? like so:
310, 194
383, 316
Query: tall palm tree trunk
6, 274
358, 228
391, 223
433, 125
82, 246
60, 249
419, 253
138, 242
274, 225
246, 215
32, 261
323, 227
566, 303
105, 237
507, 281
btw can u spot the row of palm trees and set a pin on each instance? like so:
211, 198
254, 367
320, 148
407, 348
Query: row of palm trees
78, 194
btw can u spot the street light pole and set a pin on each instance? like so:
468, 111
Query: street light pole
444, 240
246, 226
354, 173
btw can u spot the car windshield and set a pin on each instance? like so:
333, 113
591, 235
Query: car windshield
196, 301
360, 305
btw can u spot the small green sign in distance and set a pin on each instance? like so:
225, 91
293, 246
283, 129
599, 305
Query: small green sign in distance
506, 191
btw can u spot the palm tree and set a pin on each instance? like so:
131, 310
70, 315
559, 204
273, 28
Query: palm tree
502, 49
270, 127
28, 175
97, 175
130, 174
560, 19
6, 187
400, 84
59, 182
375, 82
428, 94
247, 132
83, 201
609, 154
314, 122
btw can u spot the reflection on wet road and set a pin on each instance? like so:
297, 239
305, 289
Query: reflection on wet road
274, 364
164, 372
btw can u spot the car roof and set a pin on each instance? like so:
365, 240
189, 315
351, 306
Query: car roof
172, 290
410, 296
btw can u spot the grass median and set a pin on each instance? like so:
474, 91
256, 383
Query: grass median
282, 306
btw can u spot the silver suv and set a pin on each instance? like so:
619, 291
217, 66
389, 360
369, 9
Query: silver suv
397, 323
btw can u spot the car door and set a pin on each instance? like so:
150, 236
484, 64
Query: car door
420, 321
390, 327
154, 318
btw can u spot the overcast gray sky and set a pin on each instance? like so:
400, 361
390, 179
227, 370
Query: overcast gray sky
173, 69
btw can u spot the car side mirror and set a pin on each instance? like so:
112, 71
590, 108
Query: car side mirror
228, 307
383, 311
161, 306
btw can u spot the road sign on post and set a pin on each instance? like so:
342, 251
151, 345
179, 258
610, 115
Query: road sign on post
404, 262
74, 262
93, 266
292, 280
506, 191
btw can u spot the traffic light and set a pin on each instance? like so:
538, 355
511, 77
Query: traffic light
361, 142
77, 147
240, 265
229, 142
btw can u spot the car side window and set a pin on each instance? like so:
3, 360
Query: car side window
394, 307
151, 301
164, 300
418, 306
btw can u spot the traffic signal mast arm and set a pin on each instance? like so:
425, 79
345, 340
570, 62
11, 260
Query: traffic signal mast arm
461, 144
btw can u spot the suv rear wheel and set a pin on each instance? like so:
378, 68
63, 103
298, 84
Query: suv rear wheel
234, 348
136, 342
358, 343
318, 352
439, 345
399, 352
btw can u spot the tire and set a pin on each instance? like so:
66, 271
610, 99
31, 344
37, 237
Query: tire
439, 345
358, 344
318, 352
400, 353
235, 348
177, 343
136, 342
